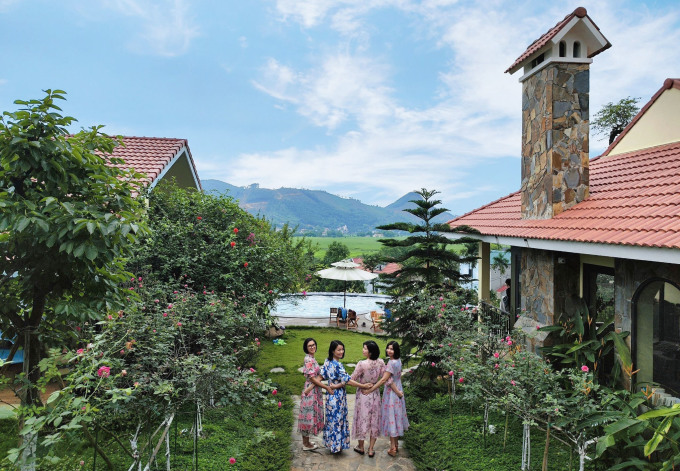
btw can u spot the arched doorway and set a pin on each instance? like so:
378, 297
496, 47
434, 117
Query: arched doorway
656, 340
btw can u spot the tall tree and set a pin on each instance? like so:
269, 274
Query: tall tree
68, 218
427, 262
614, 117
428, 269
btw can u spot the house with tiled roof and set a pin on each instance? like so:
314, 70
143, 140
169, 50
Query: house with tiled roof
606, 229
160, 159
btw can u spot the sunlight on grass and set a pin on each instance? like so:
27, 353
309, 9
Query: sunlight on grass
290, 356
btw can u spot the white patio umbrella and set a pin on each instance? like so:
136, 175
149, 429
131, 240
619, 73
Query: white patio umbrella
346, 270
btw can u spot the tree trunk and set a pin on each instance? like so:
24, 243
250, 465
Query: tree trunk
30, 393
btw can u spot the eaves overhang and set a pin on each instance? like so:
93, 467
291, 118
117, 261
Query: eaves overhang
632, 252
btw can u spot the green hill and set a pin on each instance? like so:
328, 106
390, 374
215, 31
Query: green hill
316, 212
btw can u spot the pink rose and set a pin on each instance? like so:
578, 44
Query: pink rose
274, 392
432, 363
496, 355
450, 373
232, 460
585, 368
513, 382
104, 371
460, 380
279, 404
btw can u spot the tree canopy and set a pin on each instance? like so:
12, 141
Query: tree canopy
614, 117
69, 217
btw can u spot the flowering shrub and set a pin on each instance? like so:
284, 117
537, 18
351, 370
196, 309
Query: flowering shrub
171, 349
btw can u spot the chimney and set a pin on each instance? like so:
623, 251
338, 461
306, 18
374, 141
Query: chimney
555, 115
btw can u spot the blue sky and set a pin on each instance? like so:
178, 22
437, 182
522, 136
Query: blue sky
363, 98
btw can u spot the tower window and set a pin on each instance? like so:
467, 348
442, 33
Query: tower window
537, 61
563, 49
577, 49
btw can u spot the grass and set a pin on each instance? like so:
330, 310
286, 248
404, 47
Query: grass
357, 245
290, 356
441, 441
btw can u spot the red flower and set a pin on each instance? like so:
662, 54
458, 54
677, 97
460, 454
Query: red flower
236, 230
274, 392
232, 243
232, 460
199, 218
245, 264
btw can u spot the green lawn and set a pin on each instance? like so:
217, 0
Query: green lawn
357, 245
290, 356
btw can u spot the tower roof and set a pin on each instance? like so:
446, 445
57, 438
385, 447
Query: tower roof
554, 34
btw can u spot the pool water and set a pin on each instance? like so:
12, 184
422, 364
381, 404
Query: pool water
317, 305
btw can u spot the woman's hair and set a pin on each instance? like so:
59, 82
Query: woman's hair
395, 348
373, 349
304, 344
333, 346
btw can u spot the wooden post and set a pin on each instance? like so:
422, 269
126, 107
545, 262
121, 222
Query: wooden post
484, 271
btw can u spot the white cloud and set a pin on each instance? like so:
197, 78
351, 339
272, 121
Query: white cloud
6, 4
392, 148
167, 26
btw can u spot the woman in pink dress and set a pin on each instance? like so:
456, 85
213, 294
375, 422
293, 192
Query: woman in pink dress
311, 419
367, 406
393, 420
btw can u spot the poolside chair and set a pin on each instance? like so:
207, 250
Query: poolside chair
352, 320
376, 319
339, 319
333, 314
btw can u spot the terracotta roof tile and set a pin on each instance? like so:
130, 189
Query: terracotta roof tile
634, 200
151, 155
551, 33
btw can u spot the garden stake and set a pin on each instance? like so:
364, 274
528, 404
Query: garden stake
486, 421
450, 404
196, 438
526, 448
96, 438
505, 432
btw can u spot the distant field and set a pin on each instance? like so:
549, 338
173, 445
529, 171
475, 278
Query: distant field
357, 245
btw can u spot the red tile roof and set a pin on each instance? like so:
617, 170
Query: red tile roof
667, 85
151, 155
537, 45
634, 200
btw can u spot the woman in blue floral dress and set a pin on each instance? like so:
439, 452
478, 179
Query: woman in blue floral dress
336, 431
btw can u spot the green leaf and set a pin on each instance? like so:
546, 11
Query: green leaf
90, 227
603, 443
622, 349
91, 252
23, 222
675, 410
79, 250
659, 435
53, 397
620, 425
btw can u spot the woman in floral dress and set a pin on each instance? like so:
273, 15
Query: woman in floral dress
367, 407
393, 420
336, 431
310, 420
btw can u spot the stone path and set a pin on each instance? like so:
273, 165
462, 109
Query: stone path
322, 460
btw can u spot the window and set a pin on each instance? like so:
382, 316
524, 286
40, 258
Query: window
563, 49
656, 325
577, 49
537, 61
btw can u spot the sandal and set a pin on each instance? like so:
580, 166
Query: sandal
358, 450
371, 453
392, 452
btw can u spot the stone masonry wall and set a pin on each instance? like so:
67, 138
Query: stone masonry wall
629, 275
555, 121
538, 287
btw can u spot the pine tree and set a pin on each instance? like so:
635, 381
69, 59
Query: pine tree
429, 270
428, 263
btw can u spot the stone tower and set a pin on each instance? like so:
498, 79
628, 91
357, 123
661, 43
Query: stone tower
555, 115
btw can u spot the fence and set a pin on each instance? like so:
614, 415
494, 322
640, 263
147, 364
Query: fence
497, 321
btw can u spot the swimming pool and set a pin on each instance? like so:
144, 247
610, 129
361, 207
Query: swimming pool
317, 305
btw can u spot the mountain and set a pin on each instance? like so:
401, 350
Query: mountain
315, 211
